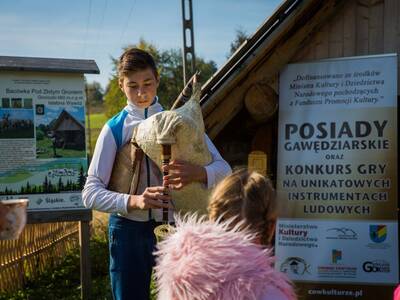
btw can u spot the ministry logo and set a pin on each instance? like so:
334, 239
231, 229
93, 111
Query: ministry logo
341, 233
376, 266
377, 233
336, 256
295, 265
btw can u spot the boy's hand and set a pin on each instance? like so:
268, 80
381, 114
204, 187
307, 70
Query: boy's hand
152, 197
182, 173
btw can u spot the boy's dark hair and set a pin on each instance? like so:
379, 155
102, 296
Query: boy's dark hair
135, 59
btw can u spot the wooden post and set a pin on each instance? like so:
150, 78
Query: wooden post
84, 239
88, 122
84, 216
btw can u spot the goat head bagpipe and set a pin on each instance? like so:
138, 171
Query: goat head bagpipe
178, 134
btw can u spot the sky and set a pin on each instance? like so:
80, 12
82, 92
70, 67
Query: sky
53, 113
99, 29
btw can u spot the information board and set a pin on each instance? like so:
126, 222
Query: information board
42, 139
337, 176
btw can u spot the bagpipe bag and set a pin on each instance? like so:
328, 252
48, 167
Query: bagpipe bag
183, 129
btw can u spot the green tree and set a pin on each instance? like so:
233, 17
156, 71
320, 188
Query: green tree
60, 185
50, 187
39, 135
81, 179
240, 38
169, 63
171, 83
94, 93
69, 185
45, 185
114, 98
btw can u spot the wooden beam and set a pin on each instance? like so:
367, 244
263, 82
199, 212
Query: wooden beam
362, 27
390, 31
86, 276
349, 29
376, 17
273, 55
335, 37
49, 216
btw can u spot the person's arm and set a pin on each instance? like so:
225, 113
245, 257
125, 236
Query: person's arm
218, 168
95, 194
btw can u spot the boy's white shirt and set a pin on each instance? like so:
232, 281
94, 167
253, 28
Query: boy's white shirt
116, 133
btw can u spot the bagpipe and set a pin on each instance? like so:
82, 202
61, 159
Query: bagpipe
175, 134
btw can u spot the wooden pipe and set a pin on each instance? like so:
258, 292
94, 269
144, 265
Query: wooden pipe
165, 159
186, 92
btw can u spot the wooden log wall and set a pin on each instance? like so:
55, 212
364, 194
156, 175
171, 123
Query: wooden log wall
40, 247
358, 27
277, 52
362, 27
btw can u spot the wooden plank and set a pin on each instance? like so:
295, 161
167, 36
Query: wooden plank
306, 53
376, 10
349, 29
84, 239
391, 31
336, 36
397, 47
322, 43
59, 216
362, 25
390, 24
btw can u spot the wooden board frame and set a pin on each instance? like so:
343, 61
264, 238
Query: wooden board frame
83, 216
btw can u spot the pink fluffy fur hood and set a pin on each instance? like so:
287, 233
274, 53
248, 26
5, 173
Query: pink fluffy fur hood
206, 260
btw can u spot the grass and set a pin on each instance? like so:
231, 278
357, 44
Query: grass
63, 281
15, 177
97, 121
46, 150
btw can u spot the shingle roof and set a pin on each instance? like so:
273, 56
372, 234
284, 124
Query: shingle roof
40, 64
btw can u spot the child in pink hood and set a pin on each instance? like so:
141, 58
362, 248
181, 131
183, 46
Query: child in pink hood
228, 256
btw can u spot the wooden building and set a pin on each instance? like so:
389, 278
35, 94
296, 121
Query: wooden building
240, 109
69, 132
240, 101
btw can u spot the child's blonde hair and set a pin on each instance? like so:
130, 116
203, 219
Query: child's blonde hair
248, 196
